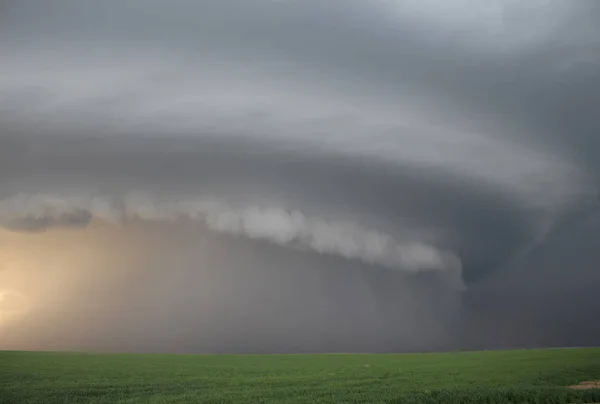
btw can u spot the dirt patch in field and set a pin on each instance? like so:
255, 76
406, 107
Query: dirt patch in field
590, 384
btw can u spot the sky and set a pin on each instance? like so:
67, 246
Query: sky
294, 176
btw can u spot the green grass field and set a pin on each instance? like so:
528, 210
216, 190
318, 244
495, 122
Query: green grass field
529, 376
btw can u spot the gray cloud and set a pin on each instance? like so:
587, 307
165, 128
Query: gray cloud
75, 219
460, 132
275, 225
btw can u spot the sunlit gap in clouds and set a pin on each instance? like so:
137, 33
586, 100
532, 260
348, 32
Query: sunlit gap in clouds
12, 304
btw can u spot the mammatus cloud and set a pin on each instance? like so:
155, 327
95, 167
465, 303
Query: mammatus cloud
286, 228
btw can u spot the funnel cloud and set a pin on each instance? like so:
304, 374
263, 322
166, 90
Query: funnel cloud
299, 176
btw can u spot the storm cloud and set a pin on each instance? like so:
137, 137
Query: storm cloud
291, 176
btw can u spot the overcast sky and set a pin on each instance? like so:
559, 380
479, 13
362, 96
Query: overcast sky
293, 176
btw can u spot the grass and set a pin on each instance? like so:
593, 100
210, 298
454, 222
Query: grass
528, 376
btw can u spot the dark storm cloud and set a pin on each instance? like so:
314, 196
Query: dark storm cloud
467, 128
34, 224
426, 205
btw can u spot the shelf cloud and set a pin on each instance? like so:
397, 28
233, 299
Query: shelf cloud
293, 176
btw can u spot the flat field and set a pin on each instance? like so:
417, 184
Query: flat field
527, 376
